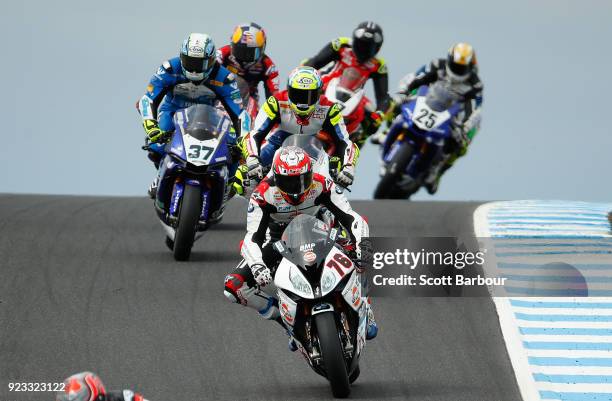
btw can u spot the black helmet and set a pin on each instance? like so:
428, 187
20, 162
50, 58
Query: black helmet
367, 40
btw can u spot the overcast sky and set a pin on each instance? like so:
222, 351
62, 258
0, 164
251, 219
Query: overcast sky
73, 71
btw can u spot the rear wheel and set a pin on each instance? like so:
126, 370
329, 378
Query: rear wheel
191, 206
387, 186
332, 354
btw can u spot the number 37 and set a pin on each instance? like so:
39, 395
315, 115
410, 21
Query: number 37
197, 150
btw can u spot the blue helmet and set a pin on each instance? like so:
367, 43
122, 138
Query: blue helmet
198, 56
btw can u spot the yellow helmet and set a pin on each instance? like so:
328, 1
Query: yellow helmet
460, 62
304, 90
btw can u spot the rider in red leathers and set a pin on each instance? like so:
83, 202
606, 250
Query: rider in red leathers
358, 55
245, 56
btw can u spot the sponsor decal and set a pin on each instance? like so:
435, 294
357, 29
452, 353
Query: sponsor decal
305, 81
307, 247
310, 257
150, 88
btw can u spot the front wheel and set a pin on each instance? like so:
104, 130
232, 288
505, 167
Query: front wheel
387, 187
333, 357
191, 206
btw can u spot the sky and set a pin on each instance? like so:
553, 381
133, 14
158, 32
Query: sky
74, 70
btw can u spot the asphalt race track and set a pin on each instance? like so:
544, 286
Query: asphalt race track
86, 283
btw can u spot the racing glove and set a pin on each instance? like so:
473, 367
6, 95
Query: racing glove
346, 176
261, 274
152, 129
255, 170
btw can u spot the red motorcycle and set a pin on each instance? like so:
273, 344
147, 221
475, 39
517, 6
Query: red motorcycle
347, 91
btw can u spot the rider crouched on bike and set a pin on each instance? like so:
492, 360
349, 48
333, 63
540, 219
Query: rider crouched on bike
460, 70
359, 54
87, 386
291, 188
245, 56
194, 77
301, 109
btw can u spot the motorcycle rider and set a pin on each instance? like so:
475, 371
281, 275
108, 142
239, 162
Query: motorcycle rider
291, 188
87, 386
245, 56
301, 109
360, 55
460, 70
194, 77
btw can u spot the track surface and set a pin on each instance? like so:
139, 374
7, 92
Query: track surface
87, 284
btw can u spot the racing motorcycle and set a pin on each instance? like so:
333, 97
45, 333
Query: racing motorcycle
415, 139
193, 176
320, 300
347, 91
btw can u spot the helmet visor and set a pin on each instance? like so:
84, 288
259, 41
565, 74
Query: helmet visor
245, 54
303, 98
364, 49
459, 69
293, 184
197, 64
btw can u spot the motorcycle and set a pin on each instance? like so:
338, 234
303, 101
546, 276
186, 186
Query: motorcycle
193, 176
319, 292
348, 92
415, 139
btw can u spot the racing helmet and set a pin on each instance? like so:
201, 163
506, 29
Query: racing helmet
85, 386
292, 168
367, 40
198, 56
304, 90
460, 62
248, 43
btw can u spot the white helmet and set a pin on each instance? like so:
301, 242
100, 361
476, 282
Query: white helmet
198, 56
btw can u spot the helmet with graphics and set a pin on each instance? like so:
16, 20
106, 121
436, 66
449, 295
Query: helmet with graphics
248, 43
198, 56
292, 168
460, 62
85, 386
304, 90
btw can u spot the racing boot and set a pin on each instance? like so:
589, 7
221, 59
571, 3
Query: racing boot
153, 188
432, 187
372, 329
378, 138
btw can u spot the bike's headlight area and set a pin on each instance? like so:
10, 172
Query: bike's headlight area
328, 281
300, 283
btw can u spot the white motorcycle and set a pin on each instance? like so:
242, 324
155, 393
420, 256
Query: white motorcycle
320, 300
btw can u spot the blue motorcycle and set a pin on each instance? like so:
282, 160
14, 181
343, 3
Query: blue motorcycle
193, 176
416, 138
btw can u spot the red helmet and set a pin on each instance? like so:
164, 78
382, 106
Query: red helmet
292, 169
85, 386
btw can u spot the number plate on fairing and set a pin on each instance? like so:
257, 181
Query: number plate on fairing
425, 118
199, 152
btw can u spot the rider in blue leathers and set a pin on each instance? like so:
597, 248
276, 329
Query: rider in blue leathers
192, 78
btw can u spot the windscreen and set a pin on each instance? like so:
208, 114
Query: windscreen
306, 241
309, 143
205, 122
440, 97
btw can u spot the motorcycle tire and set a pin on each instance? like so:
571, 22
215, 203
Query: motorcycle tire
355, 375
191, 206
387, 186
331, 352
